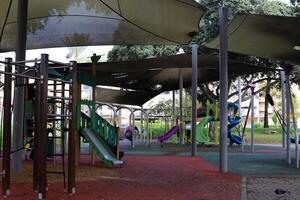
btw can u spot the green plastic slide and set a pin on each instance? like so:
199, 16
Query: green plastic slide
201, 134
102, 150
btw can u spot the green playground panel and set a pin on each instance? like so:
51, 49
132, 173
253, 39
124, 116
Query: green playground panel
87, 80
102, 128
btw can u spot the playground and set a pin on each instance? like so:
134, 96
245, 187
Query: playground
194, 100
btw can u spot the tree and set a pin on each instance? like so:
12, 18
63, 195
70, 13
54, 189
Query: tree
135, 52
296, 6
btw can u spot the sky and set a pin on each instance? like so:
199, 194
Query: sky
285, 1
63, 54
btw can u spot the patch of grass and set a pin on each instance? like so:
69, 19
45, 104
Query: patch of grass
263, 135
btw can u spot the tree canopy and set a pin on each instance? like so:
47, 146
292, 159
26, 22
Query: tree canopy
208, 30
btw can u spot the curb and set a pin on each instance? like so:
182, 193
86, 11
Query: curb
244, 188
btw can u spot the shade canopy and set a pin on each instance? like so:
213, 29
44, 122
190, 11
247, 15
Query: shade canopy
149, 77
271, 37
65, 23
123, 96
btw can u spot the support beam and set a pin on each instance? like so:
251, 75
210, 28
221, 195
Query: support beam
40, 138
77, 147
283, 105
142, 124
288, 118
240, 109
6, 130
148, 129
180, 107
73, 134
18, 125
94, 73
252, 120
194, 97
223, 74
295, 127
173, 107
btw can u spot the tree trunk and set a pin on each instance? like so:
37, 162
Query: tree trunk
266, 114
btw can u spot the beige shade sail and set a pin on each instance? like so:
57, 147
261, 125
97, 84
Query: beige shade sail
65, 23
271, 37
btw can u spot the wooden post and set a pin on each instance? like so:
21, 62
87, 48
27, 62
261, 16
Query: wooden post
94, 59
117, 143
78, 147
36, 131
6, 130
73, 134
40, 130
54, 123
42, 150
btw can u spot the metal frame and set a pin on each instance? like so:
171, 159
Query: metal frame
223, 74
194, 97
181, 136
99, 104
41, 119
283, 105
147, 124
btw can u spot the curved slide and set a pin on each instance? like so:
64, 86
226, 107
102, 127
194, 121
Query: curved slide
202, 137
168, 134
102, 150
233, 123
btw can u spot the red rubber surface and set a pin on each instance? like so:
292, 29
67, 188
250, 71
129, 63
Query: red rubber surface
151, 177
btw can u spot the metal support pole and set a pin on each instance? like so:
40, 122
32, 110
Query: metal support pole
194, 97
295, 128
252, 120
283, 106
6, 130
73, 134
288, 119
173, 106
132, 119
180, 107
142, 123
240, 109
18, 110
223, 73
186, 111
148, 129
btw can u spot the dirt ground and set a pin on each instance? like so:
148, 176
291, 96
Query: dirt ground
141, 178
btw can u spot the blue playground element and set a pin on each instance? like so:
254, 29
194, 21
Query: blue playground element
233, 122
